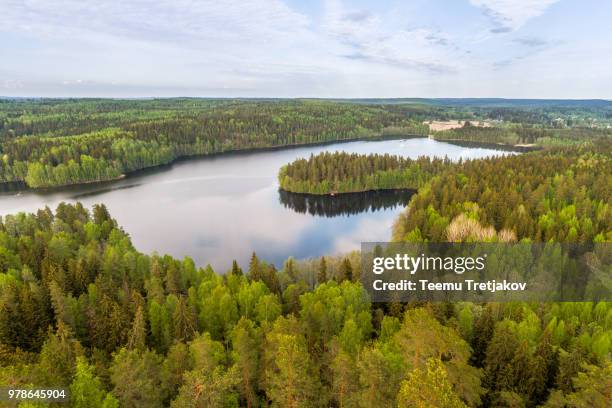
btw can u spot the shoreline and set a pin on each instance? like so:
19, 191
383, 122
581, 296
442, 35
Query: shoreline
16, 186
519, 148
348, 193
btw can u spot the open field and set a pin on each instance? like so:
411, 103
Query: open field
439, 125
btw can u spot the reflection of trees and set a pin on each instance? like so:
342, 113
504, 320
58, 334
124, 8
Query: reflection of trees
12, 186
344, 204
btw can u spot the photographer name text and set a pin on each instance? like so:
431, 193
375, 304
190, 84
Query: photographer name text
425, 285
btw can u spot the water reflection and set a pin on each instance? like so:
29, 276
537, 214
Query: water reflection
216, 209
103, 191
344, 204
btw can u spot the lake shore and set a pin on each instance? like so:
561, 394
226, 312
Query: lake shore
21, 185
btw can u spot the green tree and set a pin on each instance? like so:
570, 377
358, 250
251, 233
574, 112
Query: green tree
346, 270
255, 272
292, 380
592, 389
236, 269
206, 389
177, 362
422, 337
136, 377
246, 344
380, 373
322, 274
428, 388
345, 381
137, 336
57, 361
86, 389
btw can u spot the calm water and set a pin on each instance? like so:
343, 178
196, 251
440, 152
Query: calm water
221, 208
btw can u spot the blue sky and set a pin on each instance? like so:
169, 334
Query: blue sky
292, 48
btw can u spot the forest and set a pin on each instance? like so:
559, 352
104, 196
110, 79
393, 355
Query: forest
57, 142
54, 143
561, 194
340, 172
523, 135
81, 308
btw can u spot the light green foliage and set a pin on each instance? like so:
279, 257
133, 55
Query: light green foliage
422, 337
326, 310
86, 390
158, 330
291, 379
428, 388
380, 371
205, 353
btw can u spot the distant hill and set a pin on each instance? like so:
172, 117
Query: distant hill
457, 102
487, 102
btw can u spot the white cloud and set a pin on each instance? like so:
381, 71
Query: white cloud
277, 48
370, 38
510, 15
178, 21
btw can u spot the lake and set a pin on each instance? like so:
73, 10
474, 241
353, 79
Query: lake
215, 209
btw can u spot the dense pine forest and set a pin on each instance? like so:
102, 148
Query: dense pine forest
339, 172
562, 195
54, 143
82, 308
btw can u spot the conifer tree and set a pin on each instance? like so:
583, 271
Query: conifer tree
246, 345
236, 269
322, 273
138, 334
255, 272
346, 270
292, 381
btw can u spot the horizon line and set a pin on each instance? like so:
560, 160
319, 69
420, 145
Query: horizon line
307, 98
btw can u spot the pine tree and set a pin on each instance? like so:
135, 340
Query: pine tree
184, 321
345, 383
177, 363
245, 354
270, 278
136, 377
346, 270
57, 361
292, 381
208, 389
255, 272
236, 269
380, 374
546, 367
290, 269
322, 275
138, 335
